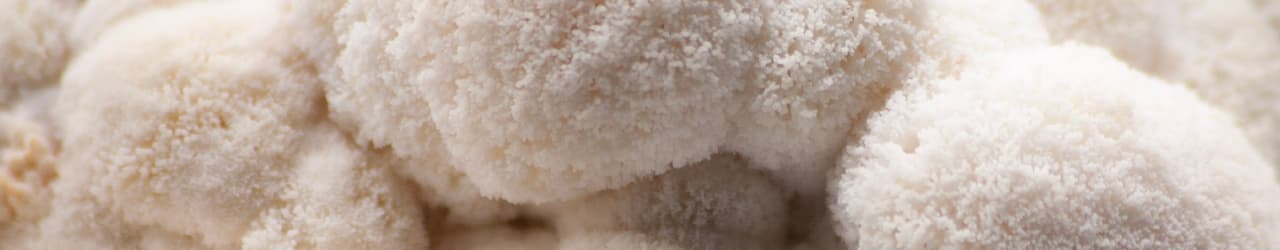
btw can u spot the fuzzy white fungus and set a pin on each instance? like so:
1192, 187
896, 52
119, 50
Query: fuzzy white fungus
1058, 147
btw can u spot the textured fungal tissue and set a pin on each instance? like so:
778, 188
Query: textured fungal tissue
639, 124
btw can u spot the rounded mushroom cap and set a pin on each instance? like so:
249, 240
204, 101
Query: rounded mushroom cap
549, 100
347, 42
186, 118
33, 46
197, 126
1060, 147
1224, 51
